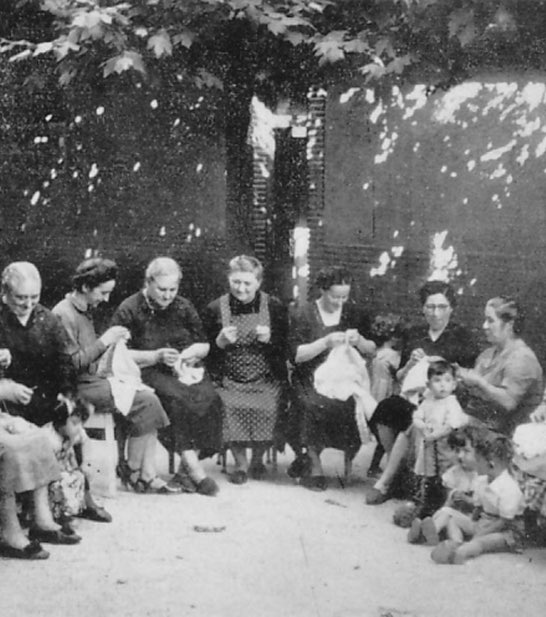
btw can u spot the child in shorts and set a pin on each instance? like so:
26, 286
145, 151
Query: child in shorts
437, 415
496, 524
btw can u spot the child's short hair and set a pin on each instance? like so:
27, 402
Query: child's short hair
386, 327
440, 367
472, 433
457, 438
495, 446
61, 412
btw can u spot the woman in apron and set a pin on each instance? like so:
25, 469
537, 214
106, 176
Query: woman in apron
247, 331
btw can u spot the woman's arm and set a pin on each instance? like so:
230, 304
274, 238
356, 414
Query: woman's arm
82, 357
503, 397
308, 351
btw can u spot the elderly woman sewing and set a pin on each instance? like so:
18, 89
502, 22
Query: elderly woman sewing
165, 332
247, 331
315, 329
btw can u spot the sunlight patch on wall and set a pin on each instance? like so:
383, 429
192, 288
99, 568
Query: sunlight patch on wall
443, 259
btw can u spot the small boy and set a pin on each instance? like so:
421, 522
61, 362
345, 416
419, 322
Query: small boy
437, 415
460, 481
496, 524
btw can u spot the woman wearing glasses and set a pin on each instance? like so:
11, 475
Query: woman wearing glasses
438, 336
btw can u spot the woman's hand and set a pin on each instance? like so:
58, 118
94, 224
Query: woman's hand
263, 334
5, 358
469, 377
334, 339
227, 336
416, 356
539, 415
15, 392
353, 337
167, 355
115, 334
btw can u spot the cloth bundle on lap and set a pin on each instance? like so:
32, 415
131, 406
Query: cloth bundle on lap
123, 374
344, 374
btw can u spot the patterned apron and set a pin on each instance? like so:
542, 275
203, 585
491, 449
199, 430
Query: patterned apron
250, 393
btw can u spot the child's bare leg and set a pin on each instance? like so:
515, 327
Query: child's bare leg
441, 519
454, 532
489, 543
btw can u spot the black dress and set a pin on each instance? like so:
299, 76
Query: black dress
40, 360
195, 411
316, 420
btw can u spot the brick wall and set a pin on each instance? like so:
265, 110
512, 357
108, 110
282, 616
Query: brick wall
469, 161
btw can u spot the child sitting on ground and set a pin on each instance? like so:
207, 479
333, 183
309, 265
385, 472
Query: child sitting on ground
497, 524
437, 415
460, 482
70, 495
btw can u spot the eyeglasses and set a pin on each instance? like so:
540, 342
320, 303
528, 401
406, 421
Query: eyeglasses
436, 307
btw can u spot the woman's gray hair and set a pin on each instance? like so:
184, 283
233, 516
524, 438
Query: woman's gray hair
162, 266
245, 263
19, 271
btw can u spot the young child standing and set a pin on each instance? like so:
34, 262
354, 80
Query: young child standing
437, 415
497, 524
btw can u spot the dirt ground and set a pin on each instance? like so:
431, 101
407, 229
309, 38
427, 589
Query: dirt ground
281, 551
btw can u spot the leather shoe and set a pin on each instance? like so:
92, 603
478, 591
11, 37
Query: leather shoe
97, 514
315, 483
238, 477
32, 551
53, 536
374, 497
207, 487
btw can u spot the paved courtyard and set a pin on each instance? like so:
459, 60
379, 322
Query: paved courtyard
268, 548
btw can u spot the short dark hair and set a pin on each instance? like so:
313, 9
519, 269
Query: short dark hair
333, 275
386, 327
431, 288
440, 367
494, 446
61, 412
457, 439
93, 272
508, 310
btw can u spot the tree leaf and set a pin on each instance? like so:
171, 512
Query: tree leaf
123, 62
185, 38
160, 44
461, 25
276, 26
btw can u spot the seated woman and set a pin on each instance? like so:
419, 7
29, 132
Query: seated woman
27, 464
165, 330
247, 331
438, 336
93, 282
315, 328
505, 386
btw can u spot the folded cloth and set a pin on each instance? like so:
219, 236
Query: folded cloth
123, 375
